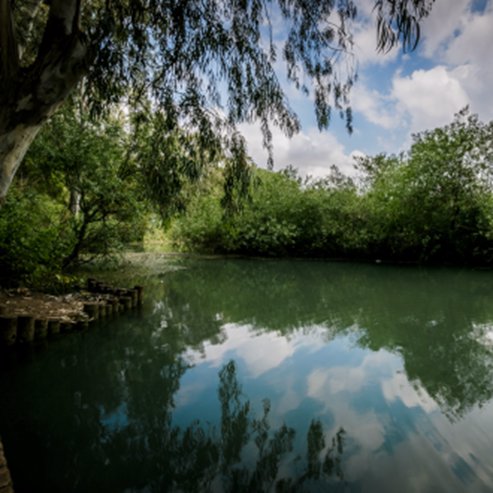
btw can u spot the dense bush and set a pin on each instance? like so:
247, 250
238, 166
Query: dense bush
76, 197
33, 237
432, 204
282, 216
435, 203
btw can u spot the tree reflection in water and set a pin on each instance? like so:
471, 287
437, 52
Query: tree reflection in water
117, 433
433, 318
244, 455
97, 413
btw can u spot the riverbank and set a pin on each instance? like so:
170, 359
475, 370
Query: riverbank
26, 316
67, 308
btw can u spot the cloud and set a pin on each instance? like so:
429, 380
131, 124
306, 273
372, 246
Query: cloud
398, 387
311, 152
260, 354
445, 20
324, 382
425, 99
473, 43
396, 94
459, 38
429, 97
376, 107
470, 55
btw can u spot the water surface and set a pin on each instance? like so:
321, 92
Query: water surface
243, 376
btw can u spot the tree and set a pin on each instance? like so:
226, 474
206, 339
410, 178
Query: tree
284, 215
435, 202
85, 168
449, 178
183, 54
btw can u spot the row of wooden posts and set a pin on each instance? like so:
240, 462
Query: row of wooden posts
24, 329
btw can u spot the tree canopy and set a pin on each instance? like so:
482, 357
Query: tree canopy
432, 204
209, 64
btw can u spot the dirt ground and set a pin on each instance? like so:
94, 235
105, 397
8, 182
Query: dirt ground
66, 308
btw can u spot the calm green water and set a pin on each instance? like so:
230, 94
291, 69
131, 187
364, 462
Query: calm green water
251, 376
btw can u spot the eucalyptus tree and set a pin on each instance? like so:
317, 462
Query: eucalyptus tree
183, 54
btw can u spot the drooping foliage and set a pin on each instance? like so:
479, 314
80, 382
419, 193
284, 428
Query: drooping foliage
209, 64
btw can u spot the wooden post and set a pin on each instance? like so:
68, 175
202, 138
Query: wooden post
115, 304
53, 327
126, 302
140, 294
8, 330
109, 309
135, 297
66, 327
81, 325
40, 329
102, 310
25, 329
92, 309
91, 285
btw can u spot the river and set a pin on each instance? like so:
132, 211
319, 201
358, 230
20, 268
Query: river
264, 375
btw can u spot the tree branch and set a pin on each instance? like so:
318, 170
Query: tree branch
60, 63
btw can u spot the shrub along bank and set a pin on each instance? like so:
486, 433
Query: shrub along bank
433, 204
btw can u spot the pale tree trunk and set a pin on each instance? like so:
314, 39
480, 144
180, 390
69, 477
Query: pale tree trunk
29, 95
74, 203
13, 146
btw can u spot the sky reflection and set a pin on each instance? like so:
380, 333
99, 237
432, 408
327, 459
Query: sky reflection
393, 423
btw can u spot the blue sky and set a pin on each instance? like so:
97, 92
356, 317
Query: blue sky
397, 94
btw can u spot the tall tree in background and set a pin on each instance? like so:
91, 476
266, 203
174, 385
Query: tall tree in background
182, 54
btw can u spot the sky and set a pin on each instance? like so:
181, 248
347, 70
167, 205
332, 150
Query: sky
397, 94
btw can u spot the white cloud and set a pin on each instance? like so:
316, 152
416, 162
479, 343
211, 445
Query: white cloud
473, 44
461, 39
375, 106
429, 97
265, 351
458, 71
442, 25
423, 100
470, 54
311, 152
324, 382
260, 354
